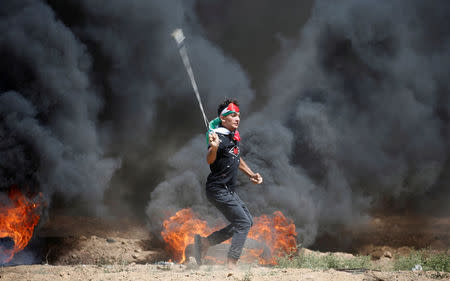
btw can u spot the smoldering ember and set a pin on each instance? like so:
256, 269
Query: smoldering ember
344, 121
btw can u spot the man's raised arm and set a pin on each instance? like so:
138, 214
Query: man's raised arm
214, 145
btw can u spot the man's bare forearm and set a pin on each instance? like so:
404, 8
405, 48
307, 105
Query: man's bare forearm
254, 177
245, 168
214, 142
212, 155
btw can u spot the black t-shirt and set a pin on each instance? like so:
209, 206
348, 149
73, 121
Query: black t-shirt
224, 168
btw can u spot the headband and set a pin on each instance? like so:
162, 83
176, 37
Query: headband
231, 108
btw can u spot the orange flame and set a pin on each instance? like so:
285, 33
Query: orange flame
276, 231
17, 221
179, 231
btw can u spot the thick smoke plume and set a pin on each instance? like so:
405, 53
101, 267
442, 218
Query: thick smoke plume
351, 112
48, 109
356, 120
88, 88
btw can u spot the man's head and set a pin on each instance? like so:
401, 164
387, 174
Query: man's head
228, 112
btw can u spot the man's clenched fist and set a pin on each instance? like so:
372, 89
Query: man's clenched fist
214, 139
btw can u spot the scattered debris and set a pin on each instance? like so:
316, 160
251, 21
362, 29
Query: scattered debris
191, 263
165, 265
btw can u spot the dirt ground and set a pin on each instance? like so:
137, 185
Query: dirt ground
182, 272
79, 248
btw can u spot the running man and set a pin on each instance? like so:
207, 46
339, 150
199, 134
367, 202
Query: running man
225, 160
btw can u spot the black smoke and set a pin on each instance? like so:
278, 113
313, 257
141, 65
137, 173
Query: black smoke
48, 107
345, 105
95, 97
356, 121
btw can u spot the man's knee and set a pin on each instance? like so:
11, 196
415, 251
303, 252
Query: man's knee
244, 225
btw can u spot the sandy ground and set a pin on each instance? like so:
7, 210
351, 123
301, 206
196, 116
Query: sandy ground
78, 248
181, 272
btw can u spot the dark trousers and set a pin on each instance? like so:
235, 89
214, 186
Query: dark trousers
237, 213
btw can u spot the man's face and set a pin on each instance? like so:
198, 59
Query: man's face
231, 121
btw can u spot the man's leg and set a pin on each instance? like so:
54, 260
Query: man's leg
214, 238
234, 210
220, 236
243, 222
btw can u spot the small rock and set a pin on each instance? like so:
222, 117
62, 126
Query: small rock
134, 256
165, 265
387, 254
192, 263
137, 250
110, 240
93, 237
74, 256
83, 238
230, 274
377, 254
343, 255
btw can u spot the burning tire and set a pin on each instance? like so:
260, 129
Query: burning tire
19, 215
